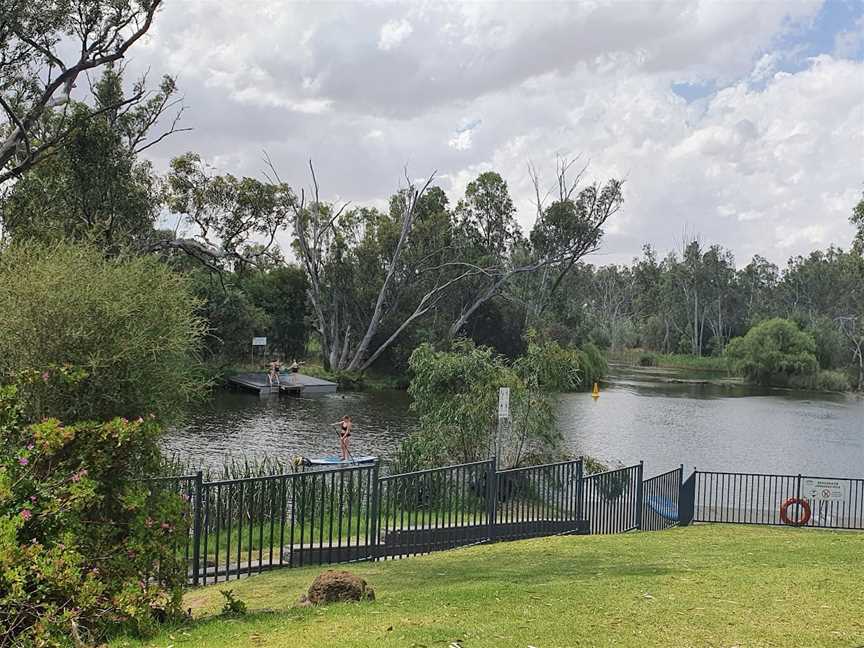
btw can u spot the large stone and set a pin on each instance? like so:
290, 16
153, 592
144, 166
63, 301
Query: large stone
337, 586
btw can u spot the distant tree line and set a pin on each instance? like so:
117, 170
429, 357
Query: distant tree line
365, 287
696, 301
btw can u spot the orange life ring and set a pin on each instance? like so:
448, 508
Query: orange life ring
804, 504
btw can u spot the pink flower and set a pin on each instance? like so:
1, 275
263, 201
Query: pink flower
23, 461
76, 477
139, 420
26, 514
32, 498
45, 376
30, 446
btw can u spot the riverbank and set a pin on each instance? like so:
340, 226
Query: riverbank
697, 586
641, 358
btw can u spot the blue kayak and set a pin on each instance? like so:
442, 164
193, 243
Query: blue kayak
337, 461
663, 506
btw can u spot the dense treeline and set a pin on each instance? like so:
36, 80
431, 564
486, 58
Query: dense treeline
364, 287
695, 302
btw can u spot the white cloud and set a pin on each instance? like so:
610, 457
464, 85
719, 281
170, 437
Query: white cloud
393, 32
752, 165
461, 141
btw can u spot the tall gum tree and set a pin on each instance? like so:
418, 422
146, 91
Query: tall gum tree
45, 48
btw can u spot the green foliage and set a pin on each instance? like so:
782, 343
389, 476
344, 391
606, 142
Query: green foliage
455, 394
233, 606
129, 326
647, 359
281, 294
832, 381
857, 219
827, 380
592, 366
773, 351
93, 189
232, 318
86, 546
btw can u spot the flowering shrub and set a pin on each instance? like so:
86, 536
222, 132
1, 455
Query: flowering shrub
86, 545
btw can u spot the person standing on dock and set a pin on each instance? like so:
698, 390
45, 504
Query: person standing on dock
273, 375
295, 372
345, 426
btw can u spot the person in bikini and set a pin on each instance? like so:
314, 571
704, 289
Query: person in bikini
344, 436
295, 371
273, 374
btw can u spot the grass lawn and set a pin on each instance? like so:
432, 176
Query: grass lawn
703, 586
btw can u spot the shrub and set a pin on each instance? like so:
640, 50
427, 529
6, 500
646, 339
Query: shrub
647, 359
233, 606
455, 394
774, 351
85, 543
833, 381
592, 365
128, 327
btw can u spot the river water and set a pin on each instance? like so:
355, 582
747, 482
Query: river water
638, 415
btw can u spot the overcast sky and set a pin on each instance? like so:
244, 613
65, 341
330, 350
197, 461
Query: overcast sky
742, 122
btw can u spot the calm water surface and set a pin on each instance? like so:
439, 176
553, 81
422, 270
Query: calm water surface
639, 415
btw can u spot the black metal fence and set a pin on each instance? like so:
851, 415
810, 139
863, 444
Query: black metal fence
537, 501
612, 500
661, 498
434, 509
752, 498
239, 527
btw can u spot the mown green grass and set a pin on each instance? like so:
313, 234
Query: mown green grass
703, 586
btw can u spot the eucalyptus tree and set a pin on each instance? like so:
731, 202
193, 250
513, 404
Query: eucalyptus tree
45, 49
222, 220
96, 188
857, 219
564, 231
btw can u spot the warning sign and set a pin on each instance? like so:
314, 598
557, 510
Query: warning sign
830, 490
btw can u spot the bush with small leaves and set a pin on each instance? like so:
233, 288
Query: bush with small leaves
87, 545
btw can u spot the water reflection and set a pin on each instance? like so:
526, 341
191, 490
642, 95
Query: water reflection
639, 415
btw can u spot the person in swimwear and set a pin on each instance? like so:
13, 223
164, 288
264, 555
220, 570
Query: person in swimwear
295, 370
273, 375
345, 426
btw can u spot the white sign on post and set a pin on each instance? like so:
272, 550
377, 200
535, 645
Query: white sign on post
504, 403
825, 490
259, 341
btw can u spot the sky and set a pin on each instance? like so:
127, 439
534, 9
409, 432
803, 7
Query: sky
740, 122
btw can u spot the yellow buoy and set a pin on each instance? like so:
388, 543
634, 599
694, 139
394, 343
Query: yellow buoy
595, 393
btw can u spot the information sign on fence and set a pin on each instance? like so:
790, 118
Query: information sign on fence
831, 490
259, 341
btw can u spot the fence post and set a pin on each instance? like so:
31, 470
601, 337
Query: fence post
491, 498
374, 513
798, 497
580, 488
687, 499
639, 489
196, 527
